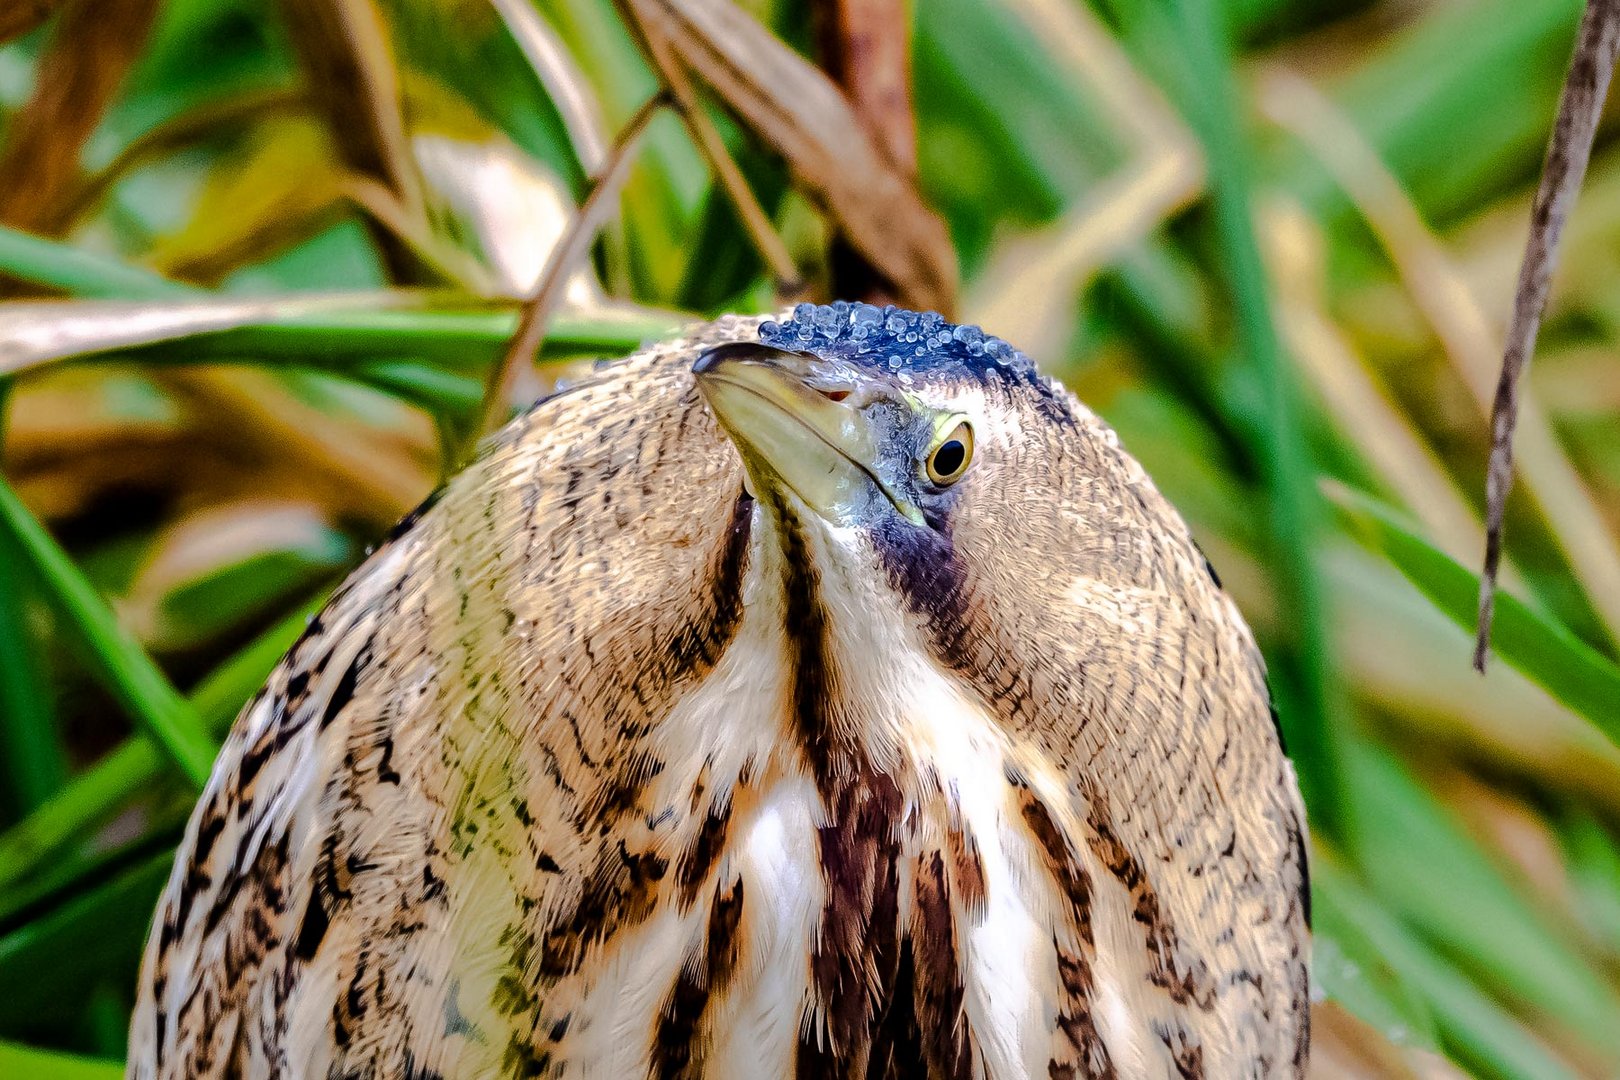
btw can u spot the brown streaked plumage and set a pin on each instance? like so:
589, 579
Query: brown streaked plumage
726, 720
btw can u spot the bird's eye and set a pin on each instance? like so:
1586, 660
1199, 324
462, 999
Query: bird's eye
951, 457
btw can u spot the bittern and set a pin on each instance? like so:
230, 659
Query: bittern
831, 696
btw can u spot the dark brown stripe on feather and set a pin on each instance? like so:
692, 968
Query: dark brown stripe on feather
699, 860
619, 894
1086, 1054
1187, 1053
855, 963
947, 1042
897, 1044
811, 667
1060, 862
680, 1043
967, 872
1088, 1057
1180, 973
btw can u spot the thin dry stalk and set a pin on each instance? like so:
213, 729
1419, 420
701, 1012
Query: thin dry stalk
792, 105
1579, 110
1450, 307
387, 213
756, 222
571, 247
346, 51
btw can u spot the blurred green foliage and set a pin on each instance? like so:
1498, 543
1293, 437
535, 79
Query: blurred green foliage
1271, 241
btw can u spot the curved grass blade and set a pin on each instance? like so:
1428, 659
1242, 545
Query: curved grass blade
35, 764
32, 334
1566, 667
19, 1060
51, 264
90, 798
334, 331
124, 668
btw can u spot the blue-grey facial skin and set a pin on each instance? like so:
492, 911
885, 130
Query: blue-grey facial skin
903, 435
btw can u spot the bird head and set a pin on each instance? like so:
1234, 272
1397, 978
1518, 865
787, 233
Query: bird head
982, 492
885, 430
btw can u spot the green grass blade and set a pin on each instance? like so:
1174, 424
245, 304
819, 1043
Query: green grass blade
426, 386
61, 956
333, 329
91, 798
35, 764
1566, 667
1501, 59
125, 669
1420, 860
55, 265
1350, 970
26, 1063
35, 761
84, 803
459, 340
1479, 1032
307, 331
1594, 871
1286, 455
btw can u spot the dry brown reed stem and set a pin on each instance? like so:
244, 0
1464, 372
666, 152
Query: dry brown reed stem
792, 105
756, 222
92, 46
1450, 307
1579, 110
570, 248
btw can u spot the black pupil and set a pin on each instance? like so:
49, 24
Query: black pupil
949, 457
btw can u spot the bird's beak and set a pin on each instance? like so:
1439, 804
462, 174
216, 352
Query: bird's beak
791, 433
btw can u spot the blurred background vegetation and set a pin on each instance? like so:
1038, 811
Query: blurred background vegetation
259, 259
